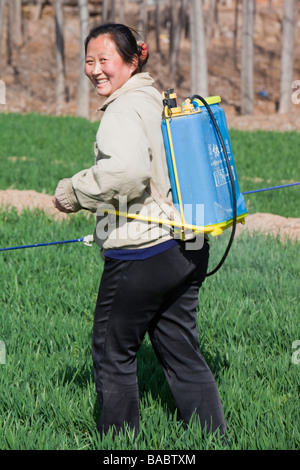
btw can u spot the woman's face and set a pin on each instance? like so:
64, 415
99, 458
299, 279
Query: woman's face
105, 67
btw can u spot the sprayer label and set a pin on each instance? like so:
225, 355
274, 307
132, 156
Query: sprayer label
222, 176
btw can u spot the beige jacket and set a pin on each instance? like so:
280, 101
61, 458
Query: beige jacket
130, 173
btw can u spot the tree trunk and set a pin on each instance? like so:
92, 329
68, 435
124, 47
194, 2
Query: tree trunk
60, 57
172, 16
287, 54
83, 103
14, 33
248, 9
16, 6
38, 9
104, 11
2, 24
235, 33
199, 83
143, 19
112, 13
9, 34
212, 20
122, 7
177, 30
157, 25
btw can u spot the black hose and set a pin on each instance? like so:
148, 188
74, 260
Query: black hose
231, 181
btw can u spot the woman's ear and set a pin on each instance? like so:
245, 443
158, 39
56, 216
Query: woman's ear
135, 63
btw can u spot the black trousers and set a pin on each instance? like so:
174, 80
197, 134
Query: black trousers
158, 295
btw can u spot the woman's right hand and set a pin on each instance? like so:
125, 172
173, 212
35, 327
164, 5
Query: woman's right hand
61, 208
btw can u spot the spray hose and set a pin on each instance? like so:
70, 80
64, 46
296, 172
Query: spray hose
231, 182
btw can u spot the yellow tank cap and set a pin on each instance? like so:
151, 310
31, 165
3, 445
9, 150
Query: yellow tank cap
172, 112
209, 100
187, 106
175, 111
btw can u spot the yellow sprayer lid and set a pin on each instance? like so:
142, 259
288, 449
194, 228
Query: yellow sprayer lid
209, 100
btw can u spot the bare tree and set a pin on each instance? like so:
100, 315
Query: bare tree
14, 35
122, 6
172, 22
199, 82
287, 54
9, 34
112, 15
248, 11
83, 103
38, 9
212, 20
108, 11
143, 18
2, 23
157, 25
104, 10
235, 33
178, 21
17, 13
60, 56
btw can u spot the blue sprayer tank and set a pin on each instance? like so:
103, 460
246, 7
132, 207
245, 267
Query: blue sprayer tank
200, 180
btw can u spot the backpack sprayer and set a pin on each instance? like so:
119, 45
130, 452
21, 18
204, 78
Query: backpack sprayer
201, 167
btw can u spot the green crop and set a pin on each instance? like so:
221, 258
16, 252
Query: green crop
37, 151
265, 159
248, 315
248, 321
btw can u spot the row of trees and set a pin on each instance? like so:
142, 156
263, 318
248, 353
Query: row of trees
180, 16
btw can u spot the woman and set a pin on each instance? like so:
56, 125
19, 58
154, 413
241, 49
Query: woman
150, 282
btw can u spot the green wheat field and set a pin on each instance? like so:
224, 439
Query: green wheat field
248, 311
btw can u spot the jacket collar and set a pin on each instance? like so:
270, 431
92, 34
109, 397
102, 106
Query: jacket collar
136, 81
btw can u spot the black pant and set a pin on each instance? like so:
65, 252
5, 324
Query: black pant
158, 295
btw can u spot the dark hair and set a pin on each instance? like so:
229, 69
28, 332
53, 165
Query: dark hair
124, 40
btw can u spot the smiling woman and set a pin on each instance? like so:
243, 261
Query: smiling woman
151, 280
107, 69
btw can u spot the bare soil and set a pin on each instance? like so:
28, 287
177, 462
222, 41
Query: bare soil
30, 85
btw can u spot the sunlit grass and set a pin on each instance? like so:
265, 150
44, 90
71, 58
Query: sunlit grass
248, 312
248, 320
37, 151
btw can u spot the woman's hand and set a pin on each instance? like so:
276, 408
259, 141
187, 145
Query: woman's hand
61, 208
60, 199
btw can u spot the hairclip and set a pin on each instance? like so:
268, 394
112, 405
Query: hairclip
144, 51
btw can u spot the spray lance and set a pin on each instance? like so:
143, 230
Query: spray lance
87, 241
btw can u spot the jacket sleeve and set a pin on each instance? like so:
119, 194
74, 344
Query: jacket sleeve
123, 164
